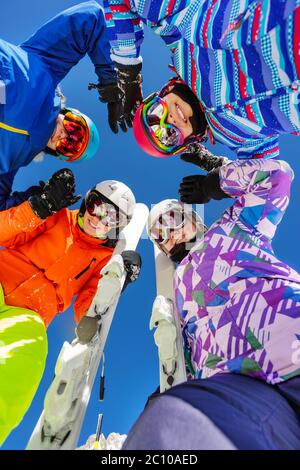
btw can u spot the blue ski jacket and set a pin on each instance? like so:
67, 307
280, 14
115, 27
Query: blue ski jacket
29, 76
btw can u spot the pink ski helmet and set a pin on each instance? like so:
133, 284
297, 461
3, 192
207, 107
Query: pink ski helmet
152, 132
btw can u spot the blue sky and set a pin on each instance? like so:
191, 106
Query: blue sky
131, 358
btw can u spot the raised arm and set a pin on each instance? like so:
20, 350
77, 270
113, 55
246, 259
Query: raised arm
238, 140
261, 188
22, 223
10, 199
262, 191
125, 30
69, 36
19, 225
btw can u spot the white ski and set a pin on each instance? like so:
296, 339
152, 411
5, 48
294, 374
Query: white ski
67, 398
164, 318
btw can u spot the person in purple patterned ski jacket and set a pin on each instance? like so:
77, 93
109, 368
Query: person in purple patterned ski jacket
239, 304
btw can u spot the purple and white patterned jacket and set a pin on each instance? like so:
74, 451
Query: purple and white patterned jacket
241, 57
240, 305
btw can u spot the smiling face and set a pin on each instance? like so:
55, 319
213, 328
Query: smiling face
58, 133
94, 227
179, 113
182, 235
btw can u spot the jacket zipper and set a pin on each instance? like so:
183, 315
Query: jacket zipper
13, 129
85, 269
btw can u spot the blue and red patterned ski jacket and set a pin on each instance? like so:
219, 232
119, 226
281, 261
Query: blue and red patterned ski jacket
241, 57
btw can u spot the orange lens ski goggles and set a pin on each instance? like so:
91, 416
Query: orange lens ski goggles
74, 145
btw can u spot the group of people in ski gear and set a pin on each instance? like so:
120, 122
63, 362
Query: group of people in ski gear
237, 82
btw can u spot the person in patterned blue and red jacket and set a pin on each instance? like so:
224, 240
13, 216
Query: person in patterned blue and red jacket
239, 58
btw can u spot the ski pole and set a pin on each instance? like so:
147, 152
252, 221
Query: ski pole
102, 380
96, 445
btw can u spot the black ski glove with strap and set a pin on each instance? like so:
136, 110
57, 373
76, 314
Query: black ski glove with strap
114, 97
132, 264
31, 191
130, 82
57, 193
199, 189
200, 156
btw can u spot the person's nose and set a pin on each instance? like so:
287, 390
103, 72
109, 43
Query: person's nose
178, 236
171, 119
63, 133
95, 220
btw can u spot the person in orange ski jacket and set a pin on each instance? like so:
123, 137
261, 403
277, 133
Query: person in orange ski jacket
52, 254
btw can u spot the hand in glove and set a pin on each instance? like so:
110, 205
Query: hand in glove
200, 156
199, 189
38, 189
31, 191
132, 264
114, 97
130, 82
57, 193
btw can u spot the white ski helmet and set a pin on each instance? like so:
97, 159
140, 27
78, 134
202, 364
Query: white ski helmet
116, 193
171, 214
119, 194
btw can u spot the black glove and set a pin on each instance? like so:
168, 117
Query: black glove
114, 97
57, 193
130, 82
132, 264
199, 189
31, 191
37, 189
200, 156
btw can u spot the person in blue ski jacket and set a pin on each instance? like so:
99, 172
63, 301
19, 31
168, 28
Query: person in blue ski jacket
32, 117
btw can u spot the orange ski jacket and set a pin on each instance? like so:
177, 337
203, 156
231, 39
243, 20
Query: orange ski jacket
45, 263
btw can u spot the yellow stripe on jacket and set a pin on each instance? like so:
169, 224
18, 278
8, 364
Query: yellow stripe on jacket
13, 129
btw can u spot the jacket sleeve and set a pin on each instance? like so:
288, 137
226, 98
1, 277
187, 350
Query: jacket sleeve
10, 199
229, 131
67, 37
262, 148
125, 29
87, 292
262, 191
19, 225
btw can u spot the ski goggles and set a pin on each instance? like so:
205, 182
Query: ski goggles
107, 213
164, 136
74, 145
171, 220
